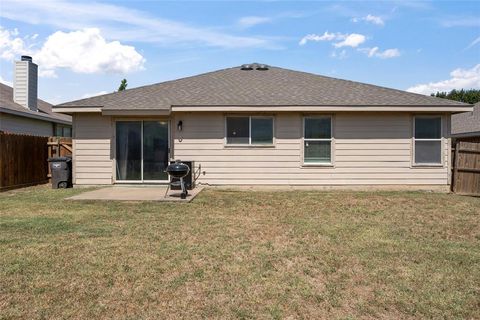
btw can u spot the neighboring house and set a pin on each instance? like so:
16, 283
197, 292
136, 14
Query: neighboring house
263, 125
467, 124
22, 112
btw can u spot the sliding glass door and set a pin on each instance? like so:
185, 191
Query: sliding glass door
129, 150
155, 150
142, 149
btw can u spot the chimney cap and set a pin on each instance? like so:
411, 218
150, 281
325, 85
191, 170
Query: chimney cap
26, 58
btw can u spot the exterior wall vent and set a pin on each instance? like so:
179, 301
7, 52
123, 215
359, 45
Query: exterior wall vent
254, 66
246, 67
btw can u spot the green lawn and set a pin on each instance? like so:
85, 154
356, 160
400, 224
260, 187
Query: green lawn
240, 255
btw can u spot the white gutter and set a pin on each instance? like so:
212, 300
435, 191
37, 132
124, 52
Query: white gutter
163, 112
136, 112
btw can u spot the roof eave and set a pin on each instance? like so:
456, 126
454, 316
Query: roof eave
136, 112
321, 108
252, 108
78, 109
466, 134
34, 116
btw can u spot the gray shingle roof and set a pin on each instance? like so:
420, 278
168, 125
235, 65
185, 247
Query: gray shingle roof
274, 87
44, 108
467, 123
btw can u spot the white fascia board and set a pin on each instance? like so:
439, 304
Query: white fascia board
452, 109
70, 110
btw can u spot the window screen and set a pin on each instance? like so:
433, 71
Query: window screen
428, 140
249, 130
317, 142
238, 130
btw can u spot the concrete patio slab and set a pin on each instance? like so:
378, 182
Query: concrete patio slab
119, 193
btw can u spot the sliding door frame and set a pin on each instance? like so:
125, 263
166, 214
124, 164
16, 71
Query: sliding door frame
114, 149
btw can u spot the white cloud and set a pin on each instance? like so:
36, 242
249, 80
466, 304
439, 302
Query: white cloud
118, 22
82, 51
460, 21
315, 37
389, 53
89, 95
250, 21
347, 40
340, 55
473, 43
375, 52
371, 19
459, 79
369, 51
46, 73
352, 40
4, 81
11, 45
86, 51
374, 19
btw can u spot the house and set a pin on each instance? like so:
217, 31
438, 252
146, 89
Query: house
262, 125
467, 124
22, 112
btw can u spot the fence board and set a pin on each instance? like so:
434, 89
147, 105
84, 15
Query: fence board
59, 147
23, 160
466, 176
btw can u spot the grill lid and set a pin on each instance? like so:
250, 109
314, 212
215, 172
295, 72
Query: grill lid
177, 169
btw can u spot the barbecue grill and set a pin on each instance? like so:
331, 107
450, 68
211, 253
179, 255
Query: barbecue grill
179, 170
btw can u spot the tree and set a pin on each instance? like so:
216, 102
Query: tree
123, 85
471, 96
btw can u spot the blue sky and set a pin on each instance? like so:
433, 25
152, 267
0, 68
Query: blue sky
85, 48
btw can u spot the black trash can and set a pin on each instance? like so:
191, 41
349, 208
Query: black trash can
61, 168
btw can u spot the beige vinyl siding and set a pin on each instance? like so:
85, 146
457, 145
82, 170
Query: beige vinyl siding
368, 148
23, 125
92, 134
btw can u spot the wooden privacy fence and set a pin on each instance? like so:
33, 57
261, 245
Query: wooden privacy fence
23, 160
58, 147
466, 167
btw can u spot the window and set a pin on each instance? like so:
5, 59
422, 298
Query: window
427, 139
67, 132
249, 130
63, 131
317, 140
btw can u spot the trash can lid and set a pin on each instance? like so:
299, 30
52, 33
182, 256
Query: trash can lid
60, 159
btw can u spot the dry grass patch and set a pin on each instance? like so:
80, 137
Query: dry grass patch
240, 255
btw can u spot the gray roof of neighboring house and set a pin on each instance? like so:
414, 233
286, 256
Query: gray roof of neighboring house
467, 123
44, 108
273, 87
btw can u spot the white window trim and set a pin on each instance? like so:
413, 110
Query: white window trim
414, 140
249, 144
331, 139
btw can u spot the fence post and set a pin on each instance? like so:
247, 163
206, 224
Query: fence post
455, 168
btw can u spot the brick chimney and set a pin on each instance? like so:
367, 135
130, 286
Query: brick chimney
25, 83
